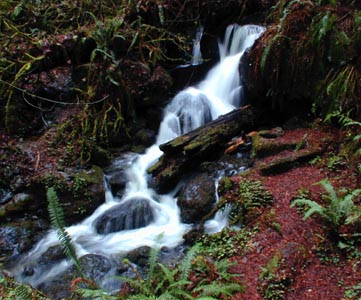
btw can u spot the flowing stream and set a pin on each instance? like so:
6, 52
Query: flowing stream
159, 222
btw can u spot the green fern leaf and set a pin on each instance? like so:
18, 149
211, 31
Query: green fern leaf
327, 186
152, 261
186, 264
57, 221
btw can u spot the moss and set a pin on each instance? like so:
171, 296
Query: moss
262, 146
248, 201
100, 156
281, 164
280, 271
269, 220
94, 175
225, 184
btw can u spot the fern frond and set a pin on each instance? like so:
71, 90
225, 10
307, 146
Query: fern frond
23, 292
141, 297
180, 293
327, 186
152, 261
186, 264
57, 221
94, 294
135, 283
167, 278
314, 207
218, 288
166, 296
355, 216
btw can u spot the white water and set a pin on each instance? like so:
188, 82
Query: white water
218, 94
197, 54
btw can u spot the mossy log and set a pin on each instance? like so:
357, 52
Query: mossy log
281, 164
204, 143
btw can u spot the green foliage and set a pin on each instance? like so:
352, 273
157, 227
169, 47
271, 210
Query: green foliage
252, 198
57, 221
353, 292
275, 289
322, 37
338, 210
353, 128
12, 290
226, 243
212, 279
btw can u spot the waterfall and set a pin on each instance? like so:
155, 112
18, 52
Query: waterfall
108, 233
197, 55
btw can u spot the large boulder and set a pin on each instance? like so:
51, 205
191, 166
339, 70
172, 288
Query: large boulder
197, 198
131, 214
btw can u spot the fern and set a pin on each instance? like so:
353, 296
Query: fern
152, 261
90, 294
10, 289
339, 209
186, 265
217, 289
57, 221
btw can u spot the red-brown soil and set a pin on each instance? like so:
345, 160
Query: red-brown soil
327, 271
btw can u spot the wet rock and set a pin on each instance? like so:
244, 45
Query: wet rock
139, 256
18, 237
52, 255
59, 287
5, 196
145, 137
100, 157
197, 198
132, 214
95, 267
79, 192
18, 203
116, 174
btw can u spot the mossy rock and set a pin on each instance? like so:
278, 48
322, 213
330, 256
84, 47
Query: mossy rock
248, 201
80, 193
265, 143
100, 157
281, 164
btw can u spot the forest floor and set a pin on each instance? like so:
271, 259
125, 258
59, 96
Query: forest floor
325, 272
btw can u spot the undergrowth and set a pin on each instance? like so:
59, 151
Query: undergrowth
195, 277
227, 243
35, 38
12, 290
247, 201
323, 38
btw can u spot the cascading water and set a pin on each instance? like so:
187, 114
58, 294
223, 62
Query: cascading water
155, 218
197, 54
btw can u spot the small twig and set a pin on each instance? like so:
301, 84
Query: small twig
53, 101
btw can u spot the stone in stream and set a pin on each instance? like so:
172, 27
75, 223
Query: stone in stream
197, 198
132, 214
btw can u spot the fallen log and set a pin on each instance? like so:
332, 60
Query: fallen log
204, 143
